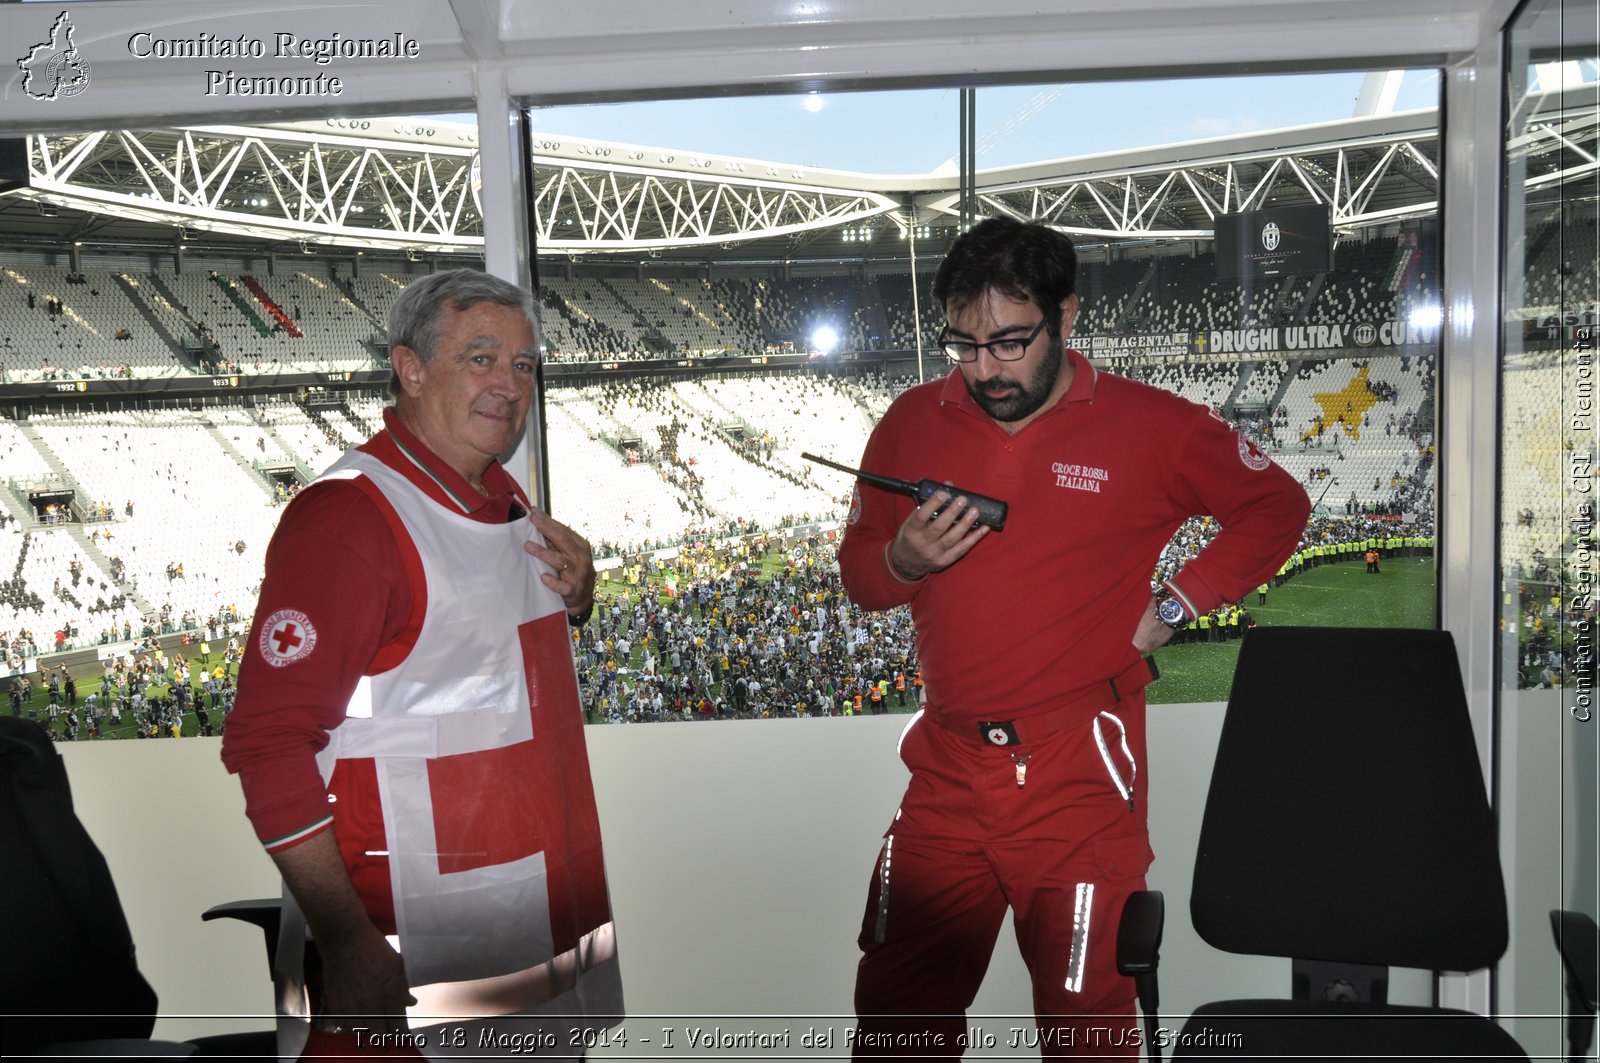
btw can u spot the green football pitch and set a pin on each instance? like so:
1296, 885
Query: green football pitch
1340, 595
37, 705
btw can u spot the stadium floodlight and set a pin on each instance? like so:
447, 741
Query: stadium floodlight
1426, 317
824, 339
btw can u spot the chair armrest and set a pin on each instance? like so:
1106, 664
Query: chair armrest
1578, 941
264, 913
1139, 932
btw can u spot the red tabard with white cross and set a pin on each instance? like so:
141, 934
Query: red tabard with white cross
460, 787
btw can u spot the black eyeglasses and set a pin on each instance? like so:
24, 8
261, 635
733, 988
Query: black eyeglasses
1009, 349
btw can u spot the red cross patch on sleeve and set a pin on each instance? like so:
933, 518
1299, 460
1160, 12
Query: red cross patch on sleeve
1251, 455
286, 637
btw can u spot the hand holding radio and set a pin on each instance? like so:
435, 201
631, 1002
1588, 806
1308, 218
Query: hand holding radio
938, 533
947, 522
991, 511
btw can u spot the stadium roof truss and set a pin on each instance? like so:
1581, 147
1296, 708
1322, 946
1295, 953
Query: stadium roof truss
1364, 182
268, 183
416, 190
299, 186
587, 207
1558, 147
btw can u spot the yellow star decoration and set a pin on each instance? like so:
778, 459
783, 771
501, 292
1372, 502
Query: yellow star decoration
1346, 407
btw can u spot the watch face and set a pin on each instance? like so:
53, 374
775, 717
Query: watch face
1170, 610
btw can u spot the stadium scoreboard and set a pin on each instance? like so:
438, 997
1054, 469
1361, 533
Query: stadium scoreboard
1273, 242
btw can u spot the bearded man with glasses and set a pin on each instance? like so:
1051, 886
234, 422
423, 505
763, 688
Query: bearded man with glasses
1027, 786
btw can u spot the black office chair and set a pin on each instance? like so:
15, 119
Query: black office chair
1144, 917
70, 981
1578, 941
1347, 828
265, 913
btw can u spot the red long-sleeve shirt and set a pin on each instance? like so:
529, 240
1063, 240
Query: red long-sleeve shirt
334, 561
1096, 486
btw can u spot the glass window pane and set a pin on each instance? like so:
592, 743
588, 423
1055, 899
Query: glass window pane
193, 328
1547, 504
727, 283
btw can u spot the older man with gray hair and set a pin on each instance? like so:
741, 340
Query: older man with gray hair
408, 731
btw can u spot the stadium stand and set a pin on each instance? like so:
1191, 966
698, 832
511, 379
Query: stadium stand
251, 317
639, 465
71, 325
685, 470
184, 549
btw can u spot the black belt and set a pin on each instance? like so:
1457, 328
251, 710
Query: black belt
1035, 728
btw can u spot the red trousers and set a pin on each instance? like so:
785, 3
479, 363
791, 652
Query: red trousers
1062, 845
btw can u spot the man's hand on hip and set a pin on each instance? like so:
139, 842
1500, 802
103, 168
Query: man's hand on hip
1151, 634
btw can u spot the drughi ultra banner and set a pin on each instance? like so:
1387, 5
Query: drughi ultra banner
1346, 336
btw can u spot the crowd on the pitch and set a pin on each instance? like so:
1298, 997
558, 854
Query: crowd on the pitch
145, 693
741, 630
749, 626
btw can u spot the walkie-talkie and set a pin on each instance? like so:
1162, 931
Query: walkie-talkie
991, 511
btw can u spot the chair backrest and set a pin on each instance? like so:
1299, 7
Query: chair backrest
1578, 942
1347, 818
69, 972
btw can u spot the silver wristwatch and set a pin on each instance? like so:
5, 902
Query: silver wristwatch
1171, 612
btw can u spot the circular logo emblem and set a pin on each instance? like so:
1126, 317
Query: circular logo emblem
1252, 457
1365, 334
855, 505
67, 73
1270, 236
998, 736
287, 637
